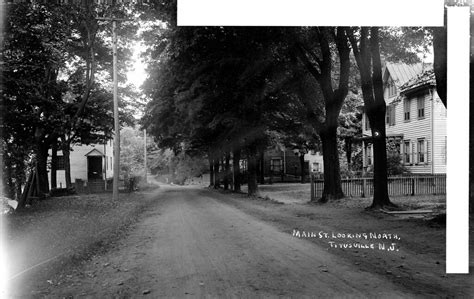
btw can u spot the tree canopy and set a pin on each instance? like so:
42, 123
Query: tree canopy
55, 64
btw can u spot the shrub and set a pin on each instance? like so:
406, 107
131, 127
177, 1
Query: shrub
395, 165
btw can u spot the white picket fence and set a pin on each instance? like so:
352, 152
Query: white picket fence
405, 185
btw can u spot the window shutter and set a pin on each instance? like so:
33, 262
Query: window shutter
410, 153
426, 152
402, 151
415, 152
392, 115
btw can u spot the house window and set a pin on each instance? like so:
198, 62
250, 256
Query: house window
392, 89
275, 165
421, 107
421, 151
406, 110
369, 155
60, 165
315, 167
390, 115
406, 152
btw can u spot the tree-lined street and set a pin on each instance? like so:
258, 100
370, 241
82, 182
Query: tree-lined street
191, 242
217, 147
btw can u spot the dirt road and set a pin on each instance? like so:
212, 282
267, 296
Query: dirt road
191, 244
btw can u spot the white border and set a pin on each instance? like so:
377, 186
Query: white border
310, 13
457, 185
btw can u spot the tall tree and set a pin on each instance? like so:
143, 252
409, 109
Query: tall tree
367, 54
320, 63
33, 55
368, 45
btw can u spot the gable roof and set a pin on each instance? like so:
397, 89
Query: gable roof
401, 72
94, 152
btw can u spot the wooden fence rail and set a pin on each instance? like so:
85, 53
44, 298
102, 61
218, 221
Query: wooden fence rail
364, 187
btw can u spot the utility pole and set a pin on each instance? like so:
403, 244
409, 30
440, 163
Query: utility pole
115, 192
116, 167
144, 153
116, 120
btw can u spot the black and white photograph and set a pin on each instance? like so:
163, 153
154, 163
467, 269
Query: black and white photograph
236, 149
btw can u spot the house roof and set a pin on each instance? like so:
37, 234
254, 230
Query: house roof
425, 78
94, 152
401, 72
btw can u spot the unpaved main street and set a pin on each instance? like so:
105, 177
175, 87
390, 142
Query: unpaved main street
193, 243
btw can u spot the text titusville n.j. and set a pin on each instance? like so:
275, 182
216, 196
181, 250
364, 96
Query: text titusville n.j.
370, 240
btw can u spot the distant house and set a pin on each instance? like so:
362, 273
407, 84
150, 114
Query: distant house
287, 162
89, 163
415, 119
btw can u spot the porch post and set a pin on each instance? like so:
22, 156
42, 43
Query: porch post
363, 157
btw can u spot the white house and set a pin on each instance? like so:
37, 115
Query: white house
415, 119
315, 160
88, 163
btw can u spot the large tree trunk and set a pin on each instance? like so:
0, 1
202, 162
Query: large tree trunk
42, 169
367, 54
252, 170
227, 171
236, 169
217, 175
261, 167
22, 199
67, 166
332, 175
54, 164
211, 172
66, 150
19, 176
18, 184
7, 179
302, 165
381, 198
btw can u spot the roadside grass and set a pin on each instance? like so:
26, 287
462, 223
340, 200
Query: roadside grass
64, 231
300, 194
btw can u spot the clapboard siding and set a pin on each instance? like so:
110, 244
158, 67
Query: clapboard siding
440, 134
431, 128
78, 161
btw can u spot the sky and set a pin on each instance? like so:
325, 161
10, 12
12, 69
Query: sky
138, 75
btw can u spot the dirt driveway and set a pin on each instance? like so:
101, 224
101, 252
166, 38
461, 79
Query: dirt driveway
195, 243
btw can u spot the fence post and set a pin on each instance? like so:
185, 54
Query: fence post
412, 186
311, 182
364, 184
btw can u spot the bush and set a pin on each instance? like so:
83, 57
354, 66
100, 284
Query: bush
395, 165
